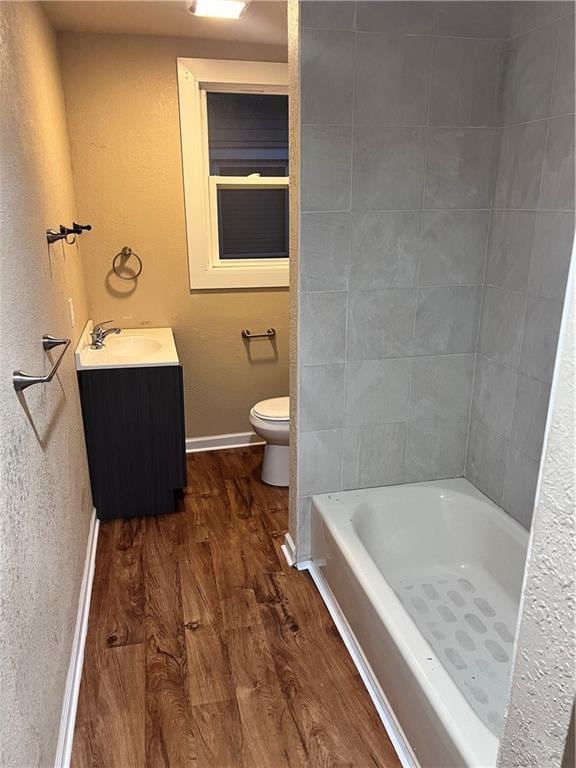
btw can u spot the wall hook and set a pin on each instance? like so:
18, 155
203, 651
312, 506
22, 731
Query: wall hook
53, 235
79, 228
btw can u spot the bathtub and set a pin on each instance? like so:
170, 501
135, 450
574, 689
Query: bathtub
424, 582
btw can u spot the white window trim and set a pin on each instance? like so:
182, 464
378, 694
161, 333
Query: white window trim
237, 182
195, 78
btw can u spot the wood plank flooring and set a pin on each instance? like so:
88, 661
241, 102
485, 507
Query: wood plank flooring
205, 650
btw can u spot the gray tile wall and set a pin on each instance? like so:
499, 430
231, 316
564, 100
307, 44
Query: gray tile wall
403, 155
399, 140
531, 233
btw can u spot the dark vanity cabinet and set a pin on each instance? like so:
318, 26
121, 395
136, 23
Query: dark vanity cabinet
135, 438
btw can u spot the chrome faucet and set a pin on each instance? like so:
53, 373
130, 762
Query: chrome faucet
98, 334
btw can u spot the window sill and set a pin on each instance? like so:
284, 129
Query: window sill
239, 277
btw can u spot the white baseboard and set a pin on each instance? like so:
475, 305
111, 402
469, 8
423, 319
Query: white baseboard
70, 703
219, 442
381, 703
289, 550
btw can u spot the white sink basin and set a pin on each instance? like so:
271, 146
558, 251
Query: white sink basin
131, 348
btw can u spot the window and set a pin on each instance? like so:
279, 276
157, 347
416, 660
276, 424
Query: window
234, 127
248, 158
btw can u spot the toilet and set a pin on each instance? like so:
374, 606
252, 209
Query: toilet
270, 420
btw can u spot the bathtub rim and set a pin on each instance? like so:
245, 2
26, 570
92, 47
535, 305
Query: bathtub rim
398, 622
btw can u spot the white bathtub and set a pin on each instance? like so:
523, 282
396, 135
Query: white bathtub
428, 578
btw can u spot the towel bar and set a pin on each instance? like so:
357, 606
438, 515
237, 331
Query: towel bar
22, 380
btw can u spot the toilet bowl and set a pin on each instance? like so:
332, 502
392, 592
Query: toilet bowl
270, 419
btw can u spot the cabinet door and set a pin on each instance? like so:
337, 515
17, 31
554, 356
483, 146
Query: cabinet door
134, 424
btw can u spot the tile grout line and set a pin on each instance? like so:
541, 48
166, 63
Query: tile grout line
554, 80
421, 35
510, 367
433, 49
347, 318
549, 23
423, 356
390, 422
507, 439
476, 348
319, 211
500, 98
414, 287
493, 127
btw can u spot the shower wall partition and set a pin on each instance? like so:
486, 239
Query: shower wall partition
436, 144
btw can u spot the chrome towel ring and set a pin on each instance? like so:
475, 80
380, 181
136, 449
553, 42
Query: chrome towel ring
124, 255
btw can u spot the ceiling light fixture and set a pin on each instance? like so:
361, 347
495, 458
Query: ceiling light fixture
218, 9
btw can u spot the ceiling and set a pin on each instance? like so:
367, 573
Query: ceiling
263, 21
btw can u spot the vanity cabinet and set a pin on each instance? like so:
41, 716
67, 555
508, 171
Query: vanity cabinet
135, 438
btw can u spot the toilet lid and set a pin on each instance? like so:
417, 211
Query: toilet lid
276, 409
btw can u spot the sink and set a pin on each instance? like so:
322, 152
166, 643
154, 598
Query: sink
130, 346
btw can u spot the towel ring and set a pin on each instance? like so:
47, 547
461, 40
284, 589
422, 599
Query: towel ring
125, 254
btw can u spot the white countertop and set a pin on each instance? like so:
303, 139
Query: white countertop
131, 348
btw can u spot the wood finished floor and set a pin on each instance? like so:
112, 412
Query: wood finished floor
205, 650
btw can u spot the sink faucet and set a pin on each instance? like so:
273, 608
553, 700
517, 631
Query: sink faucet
98, 334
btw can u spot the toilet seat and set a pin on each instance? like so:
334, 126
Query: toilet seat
275, 409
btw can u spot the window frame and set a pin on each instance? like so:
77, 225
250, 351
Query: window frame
196, 77
239, 182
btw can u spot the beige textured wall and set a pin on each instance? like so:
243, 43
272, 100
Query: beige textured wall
45, 499
122, 110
